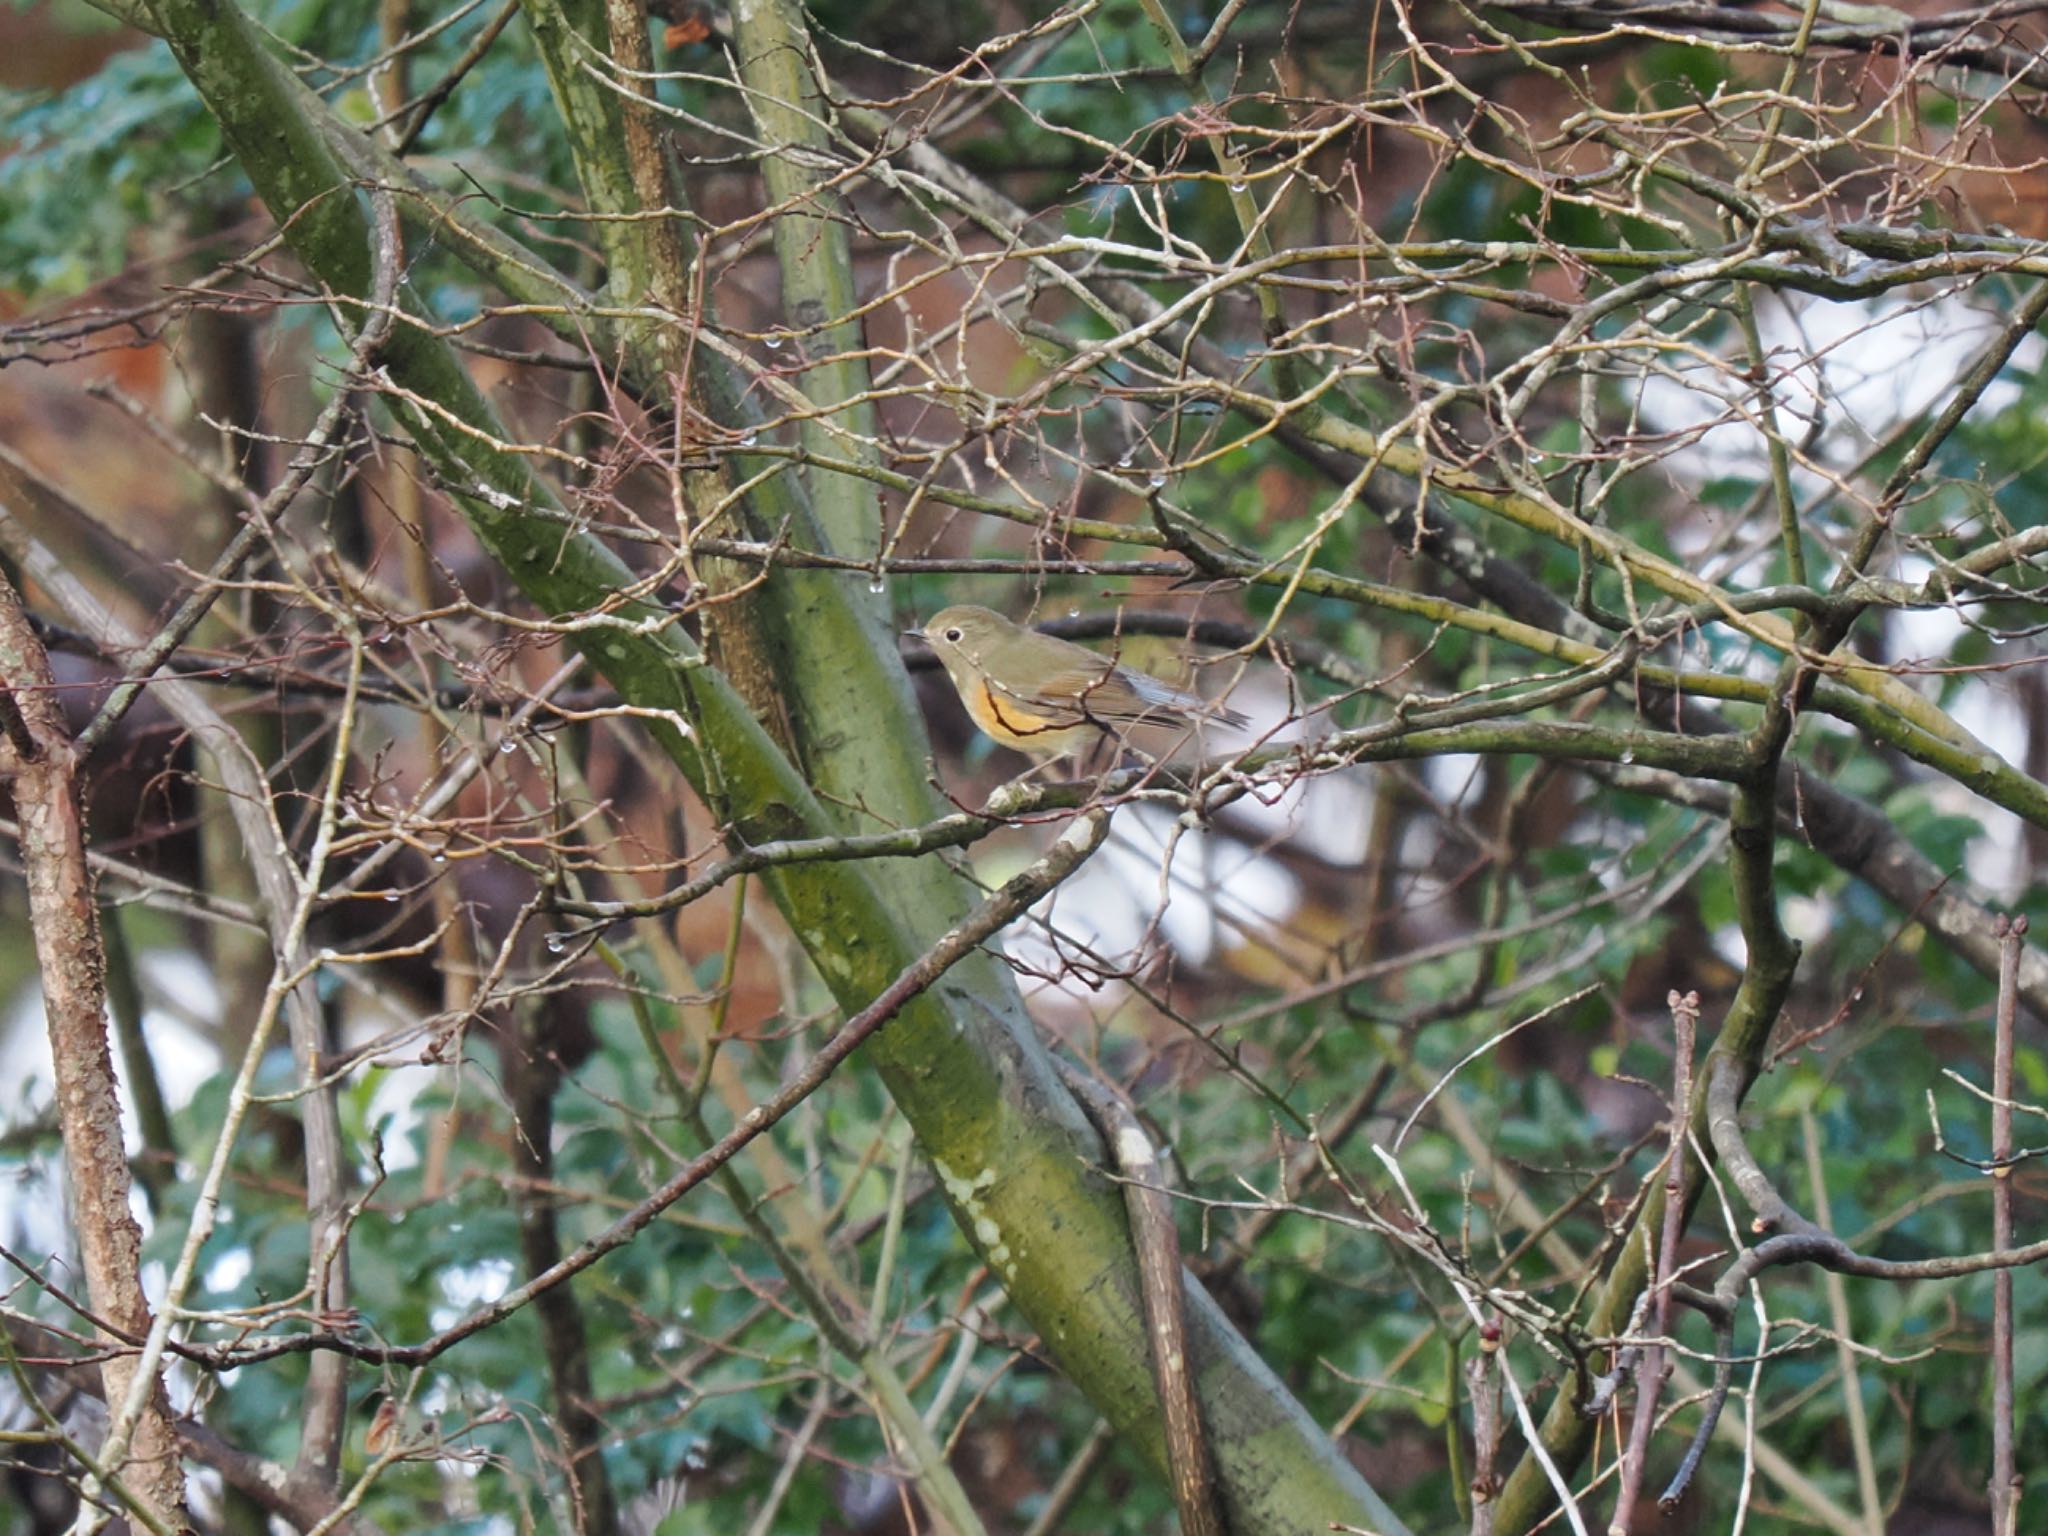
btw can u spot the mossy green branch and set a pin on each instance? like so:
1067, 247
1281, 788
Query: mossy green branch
828, 640
815, 255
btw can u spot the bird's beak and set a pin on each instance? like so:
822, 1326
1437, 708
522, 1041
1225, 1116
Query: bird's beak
913, 634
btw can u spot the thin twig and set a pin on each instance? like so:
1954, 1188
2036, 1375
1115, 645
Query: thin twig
1650, 1367
2005, 1474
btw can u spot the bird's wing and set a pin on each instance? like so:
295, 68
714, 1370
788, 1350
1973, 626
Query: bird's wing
1116, 695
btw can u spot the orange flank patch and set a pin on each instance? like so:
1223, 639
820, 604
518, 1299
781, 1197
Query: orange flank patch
1013, 726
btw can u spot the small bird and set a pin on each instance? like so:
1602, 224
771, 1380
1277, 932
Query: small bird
1047, 696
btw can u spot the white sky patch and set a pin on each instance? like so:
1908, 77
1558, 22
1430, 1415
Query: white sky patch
1860, 366
394, 1110
180, 989
1859, 369
26, 1086
1807, 918
1455, 777
224, 1276
1329, 815
176, 988
1216, 887
469, 1286
1999, 860
1920, 631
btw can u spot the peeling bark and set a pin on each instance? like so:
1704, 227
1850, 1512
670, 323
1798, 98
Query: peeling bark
40, 766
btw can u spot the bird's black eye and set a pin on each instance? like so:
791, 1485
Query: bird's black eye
952, 637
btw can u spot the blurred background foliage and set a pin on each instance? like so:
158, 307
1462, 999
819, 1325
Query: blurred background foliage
704, 1368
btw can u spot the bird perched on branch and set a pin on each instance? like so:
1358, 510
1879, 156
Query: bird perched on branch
1047, 696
